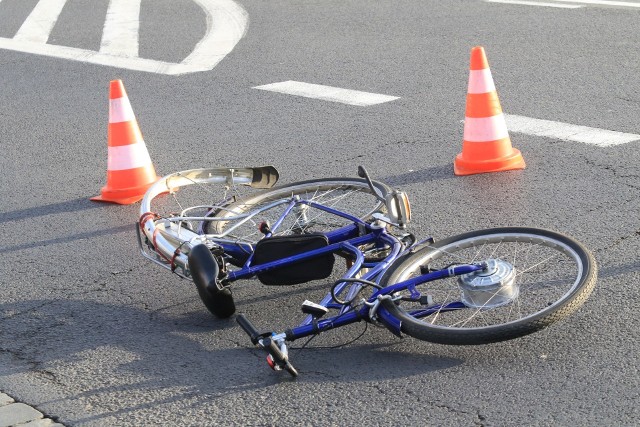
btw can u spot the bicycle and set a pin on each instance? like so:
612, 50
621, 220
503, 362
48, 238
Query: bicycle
475, 288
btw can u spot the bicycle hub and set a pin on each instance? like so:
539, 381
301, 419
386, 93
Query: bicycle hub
489, 288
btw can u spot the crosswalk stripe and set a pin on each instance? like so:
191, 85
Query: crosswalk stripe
603, 3
568, 132
328, 93
121, 27
536, 3
38, 25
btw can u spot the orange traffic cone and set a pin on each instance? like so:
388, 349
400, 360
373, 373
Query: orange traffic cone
486, 146
129, 169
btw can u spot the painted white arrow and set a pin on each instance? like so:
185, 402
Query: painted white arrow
226, 25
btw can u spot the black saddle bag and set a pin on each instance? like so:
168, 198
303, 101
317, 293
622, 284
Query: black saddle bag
279, 247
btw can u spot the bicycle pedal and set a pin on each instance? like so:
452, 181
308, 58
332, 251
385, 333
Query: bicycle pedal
316, 310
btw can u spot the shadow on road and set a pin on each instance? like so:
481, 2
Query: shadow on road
70, 238
434, 173
75, 205
101, 351
78, 206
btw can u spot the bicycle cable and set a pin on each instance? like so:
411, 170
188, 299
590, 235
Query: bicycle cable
304, 346
351, 280
333, 347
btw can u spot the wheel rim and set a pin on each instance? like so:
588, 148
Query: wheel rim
547, 273
354, 198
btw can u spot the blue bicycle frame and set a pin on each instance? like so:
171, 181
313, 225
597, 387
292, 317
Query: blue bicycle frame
347, 239
376, 257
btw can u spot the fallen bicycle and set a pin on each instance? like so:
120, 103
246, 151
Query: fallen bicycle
479, 287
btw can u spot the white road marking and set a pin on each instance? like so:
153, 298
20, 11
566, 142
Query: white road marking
534, 3
38, 25
568, 132
121, 27
327, 93
226, 25
603, 3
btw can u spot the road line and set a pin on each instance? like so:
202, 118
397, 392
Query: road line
327, 93
568, 132
38, 25
94, 57
603, 3
121, 28
226, 25
533, 3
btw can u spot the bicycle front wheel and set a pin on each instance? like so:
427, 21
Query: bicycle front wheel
348, 195
535, 278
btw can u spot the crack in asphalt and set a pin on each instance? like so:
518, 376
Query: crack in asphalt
35, 367
618, 241
27, 311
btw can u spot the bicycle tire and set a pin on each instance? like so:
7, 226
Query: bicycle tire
341, 193
486, 325
220, 304
204, 271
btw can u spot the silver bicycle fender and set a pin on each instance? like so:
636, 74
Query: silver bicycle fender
164, 240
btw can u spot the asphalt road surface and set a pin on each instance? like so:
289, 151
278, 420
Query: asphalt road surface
91, 334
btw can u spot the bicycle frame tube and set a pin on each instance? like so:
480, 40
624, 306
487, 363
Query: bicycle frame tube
286, 212
247, 217
335, 247
169, 238
371, 275
242, 250
384, 316
434, 275
332, 211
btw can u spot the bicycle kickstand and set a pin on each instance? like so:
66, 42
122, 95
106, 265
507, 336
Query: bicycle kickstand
278, 357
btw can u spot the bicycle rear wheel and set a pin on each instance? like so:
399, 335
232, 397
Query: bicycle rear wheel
537, 277
204, 273
348, 195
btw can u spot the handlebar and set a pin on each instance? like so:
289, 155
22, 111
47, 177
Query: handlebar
278, 358
248, 327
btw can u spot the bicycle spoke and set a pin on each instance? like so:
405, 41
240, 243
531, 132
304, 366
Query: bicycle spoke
346, 195
540, 277
519, 273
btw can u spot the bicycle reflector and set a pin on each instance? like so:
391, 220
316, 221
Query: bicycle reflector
398, 208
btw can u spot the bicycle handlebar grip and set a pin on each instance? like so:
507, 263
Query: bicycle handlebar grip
248, 327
